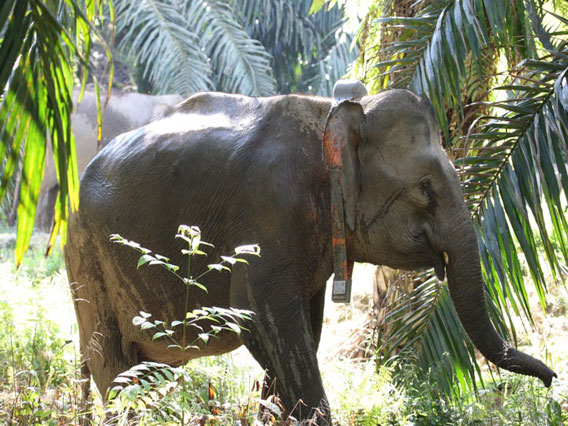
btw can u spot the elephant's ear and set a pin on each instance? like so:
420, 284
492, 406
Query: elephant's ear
344, 123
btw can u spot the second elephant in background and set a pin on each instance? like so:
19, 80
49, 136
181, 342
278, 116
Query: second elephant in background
123, 112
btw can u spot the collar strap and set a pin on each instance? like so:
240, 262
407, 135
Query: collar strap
342, 268
343, 91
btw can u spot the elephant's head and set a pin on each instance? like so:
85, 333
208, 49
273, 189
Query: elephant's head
404, 208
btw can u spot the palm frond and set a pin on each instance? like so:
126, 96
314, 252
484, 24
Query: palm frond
303, 45
423, 325
287, 25
327, 71
194, 46
510, 153
37, 79
523, 191
157, 33
434, 46
241, 63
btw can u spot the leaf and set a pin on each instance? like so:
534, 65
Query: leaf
36, 80
116, 238
229, 259
303, 45
197, 252
242, 313
322, 75
271, 406
217, 267
200, 286
170, 267
190, 347
145, 259
253, 249
195, 241
158, 335
316, 6
159, 35
241, 62
147, 325
234, 327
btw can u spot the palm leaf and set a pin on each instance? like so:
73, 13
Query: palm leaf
37, 81
304, 46
158, 35
187, 47
424, 322
327, 71
511, 160
241, 63
530, 170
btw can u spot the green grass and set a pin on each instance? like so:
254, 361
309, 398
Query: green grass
39, 379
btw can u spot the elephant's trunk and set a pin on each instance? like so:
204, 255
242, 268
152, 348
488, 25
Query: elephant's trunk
467, 292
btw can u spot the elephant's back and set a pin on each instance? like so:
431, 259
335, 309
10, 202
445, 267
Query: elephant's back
208, 138
214, 158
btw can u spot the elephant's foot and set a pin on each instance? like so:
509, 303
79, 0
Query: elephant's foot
288, 350
282, 340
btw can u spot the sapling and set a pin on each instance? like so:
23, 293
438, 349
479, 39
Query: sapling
158, 380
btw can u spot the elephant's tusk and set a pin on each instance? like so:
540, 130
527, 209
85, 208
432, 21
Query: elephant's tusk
446, 257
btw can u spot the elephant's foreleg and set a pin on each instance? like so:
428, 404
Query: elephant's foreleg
281, 339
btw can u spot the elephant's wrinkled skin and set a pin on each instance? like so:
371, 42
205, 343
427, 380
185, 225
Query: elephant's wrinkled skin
250, 170
123, 112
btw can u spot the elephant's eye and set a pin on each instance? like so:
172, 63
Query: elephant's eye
429, 194
426, 186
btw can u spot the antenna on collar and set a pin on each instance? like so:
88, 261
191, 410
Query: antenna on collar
343, 91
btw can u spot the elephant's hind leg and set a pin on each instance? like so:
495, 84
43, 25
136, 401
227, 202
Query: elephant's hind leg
104, 354
108, 355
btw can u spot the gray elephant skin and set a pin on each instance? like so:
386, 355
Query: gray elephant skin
250, 170
123, 112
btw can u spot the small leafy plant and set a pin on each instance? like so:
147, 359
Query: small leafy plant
33, 362
149, 388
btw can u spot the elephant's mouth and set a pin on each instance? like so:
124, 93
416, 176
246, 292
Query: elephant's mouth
439, 258
440, 265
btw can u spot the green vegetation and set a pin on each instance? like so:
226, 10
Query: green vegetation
152, 389
42, 45
496, 74
40, 381
251, 47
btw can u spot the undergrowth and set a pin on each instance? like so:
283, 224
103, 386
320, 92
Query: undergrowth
40, 382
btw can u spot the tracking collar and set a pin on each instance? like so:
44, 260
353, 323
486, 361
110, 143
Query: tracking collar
343, 91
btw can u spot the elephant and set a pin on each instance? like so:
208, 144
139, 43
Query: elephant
123, 112
251, 170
